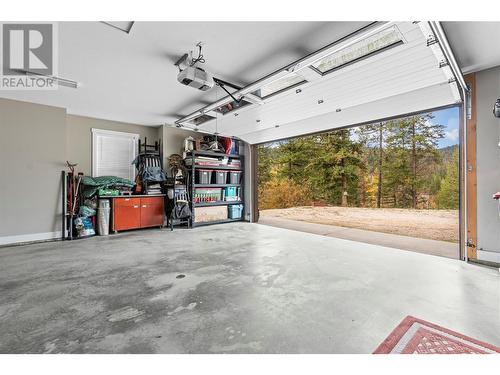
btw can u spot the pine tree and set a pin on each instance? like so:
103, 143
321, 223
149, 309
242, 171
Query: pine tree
413, 140
372, 136
335, 166
448, 197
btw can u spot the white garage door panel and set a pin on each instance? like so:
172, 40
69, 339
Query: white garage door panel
407, 70
415, 101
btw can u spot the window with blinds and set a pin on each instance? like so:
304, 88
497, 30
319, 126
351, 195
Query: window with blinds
113, 153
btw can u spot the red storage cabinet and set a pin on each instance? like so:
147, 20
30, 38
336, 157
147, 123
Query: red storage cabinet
152, 212
137, 212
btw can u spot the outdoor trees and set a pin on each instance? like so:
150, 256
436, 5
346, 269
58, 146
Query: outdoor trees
372, 137
413, 141
448, 196
335, 167
392, 164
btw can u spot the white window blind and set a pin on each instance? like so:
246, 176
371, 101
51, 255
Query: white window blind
113, 153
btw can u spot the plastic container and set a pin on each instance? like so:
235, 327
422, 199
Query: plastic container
231, 191
235, 211
207, 195
220, 177
103, 213
204, 176
232, 194
234, 177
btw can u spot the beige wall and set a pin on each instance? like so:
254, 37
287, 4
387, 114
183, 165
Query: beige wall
173, 141
32, 155
79, 137
35, 142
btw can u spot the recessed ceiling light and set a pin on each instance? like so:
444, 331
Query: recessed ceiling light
236, 114
338, 110
320, 101
298, 91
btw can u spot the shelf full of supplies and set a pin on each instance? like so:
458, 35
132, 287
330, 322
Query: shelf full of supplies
216, 185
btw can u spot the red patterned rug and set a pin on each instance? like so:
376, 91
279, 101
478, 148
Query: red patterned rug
416, 336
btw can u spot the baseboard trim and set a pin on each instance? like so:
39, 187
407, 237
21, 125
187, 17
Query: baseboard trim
29, 238
488, 256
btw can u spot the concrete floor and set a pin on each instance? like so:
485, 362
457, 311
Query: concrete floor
248, 288
419, 245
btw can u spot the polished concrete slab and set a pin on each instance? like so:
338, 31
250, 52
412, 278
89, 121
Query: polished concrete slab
419, 245
234, 288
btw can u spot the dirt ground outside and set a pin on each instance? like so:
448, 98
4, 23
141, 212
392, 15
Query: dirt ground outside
440, 225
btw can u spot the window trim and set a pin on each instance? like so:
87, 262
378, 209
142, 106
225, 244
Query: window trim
361, 58
94, 150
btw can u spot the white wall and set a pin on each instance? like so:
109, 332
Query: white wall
488, 164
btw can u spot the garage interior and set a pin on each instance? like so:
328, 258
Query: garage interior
121, 264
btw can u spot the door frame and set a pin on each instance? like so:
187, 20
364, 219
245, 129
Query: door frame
468, 169
463, 253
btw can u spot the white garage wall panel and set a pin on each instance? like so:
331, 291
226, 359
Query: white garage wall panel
488, 165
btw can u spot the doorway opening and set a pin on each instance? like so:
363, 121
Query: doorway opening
393, 183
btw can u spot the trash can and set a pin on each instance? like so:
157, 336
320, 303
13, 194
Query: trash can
103, 213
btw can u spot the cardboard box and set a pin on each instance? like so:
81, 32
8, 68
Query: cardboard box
207, 214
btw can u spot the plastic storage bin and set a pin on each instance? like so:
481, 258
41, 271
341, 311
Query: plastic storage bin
204, 176
231, 194
231, 191
235, 211
220, 177
207, 195
234, 177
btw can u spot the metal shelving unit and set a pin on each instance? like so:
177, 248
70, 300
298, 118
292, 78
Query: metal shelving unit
193, 185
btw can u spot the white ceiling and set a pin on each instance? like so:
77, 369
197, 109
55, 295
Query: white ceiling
131, 77
476, 45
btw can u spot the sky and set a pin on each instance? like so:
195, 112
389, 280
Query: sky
448, 118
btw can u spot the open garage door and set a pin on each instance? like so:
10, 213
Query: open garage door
383, 71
